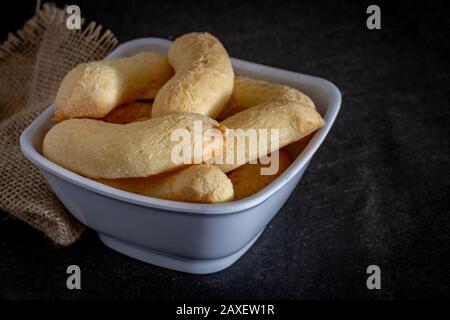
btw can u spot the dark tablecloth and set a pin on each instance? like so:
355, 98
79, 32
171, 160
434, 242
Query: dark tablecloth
377, 192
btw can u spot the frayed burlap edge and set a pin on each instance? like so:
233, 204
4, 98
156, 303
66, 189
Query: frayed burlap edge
33, 61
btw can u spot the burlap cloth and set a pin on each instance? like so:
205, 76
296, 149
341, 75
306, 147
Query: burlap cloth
32, 64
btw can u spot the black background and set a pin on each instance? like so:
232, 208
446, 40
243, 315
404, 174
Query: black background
377, 192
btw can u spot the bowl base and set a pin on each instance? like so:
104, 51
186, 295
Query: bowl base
177, 263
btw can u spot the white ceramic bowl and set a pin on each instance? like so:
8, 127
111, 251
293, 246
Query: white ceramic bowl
194, 238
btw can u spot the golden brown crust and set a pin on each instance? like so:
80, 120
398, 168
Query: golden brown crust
293, 120
248, 92
203, 80
128, 150
98, 149
248, 180
92, 90
197, 183
130, 112
297, 147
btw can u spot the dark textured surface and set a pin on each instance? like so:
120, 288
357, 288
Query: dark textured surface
377, 192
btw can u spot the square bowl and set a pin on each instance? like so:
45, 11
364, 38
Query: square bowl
188, 237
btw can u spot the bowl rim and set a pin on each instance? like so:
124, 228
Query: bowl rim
298, 164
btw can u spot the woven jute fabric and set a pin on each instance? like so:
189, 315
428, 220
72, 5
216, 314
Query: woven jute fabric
32, 64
